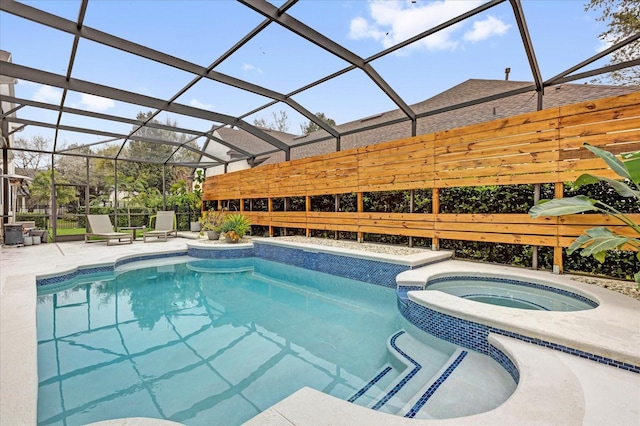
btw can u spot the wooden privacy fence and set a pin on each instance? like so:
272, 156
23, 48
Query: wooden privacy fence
535, 148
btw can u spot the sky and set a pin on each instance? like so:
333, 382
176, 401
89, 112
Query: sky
563, 34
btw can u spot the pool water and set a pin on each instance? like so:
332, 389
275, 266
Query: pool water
205, 342
511, 293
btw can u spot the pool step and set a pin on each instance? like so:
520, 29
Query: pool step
425, 381
470, 383
413, 363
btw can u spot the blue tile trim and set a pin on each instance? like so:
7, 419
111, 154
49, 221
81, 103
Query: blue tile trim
505, 362
403, 290
405, 379
510, 281
221, 253
367, 270
58, 279
149, 257
474, 336
368, 386
435, 385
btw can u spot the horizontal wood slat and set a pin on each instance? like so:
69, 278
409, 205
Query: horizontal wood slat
540, 147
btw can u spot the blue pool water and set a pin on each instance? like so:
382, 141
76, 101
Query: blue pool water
511, 293
205, 342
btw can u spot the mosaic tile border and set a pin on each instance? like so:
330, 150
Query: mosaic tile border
203, 253
435, 385
369, 385
367, 270
505, 362
58, 279
149, 257
416, 367
511, 281
474, 335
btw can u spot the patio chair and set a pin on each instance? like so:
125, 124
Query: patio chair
101, 227
165, 226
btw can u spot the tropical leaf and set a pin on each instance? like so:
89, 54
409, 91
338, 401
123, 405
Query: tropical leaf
632, 164
597, 241
562, 206
578, 243
598, 246
601, 245
611, 160
621, 188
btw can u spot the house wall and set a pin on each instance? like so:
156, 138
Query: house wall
7, 89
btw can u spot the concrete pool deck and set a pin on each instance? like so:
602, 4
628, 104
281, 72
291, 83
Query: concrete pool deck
555, 387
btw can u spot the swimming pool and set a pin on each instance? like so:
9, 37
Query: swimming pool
225, 339
204, 340
511, 293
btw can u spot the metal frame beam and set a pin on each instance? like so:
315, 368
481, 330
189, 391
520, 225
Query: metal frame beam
55, 80
271, 12
528, 45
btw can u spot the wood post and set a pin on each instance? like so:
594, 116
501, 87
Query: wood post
336, 199
307, 208
411, 207
360, 210
557, 250
435, 207
270, 204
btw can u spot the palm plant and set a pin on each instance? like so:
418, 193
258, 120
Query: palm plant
597, 241
235, 226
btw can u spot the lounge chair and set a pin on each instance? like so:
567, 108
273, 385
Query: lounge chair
101, 227
165, 226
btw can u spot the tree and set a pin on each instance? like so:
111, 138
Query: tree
280, 122
597, 241
40, 189
311, 127
623, 20
33, 159
143, 150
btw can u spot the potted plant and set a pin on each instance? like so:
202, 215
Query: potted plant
211, 222
235, 226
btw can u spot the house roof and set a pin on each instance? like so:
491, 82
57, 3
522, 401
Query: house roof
436, 114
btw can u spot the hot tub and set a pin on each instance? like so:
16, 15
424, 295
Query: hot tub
511, 293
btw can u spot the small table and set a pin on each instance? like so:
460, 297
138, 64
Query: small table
133, 228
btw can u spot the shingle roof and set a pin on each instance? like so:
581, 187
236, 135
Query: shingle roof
467, 91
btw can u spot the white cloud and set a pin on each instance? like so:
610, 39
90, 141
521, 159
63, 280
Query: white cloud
47, 94
96, 103
360, 28
251, 68
392, 22
197, 104
603, 45
486, 28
